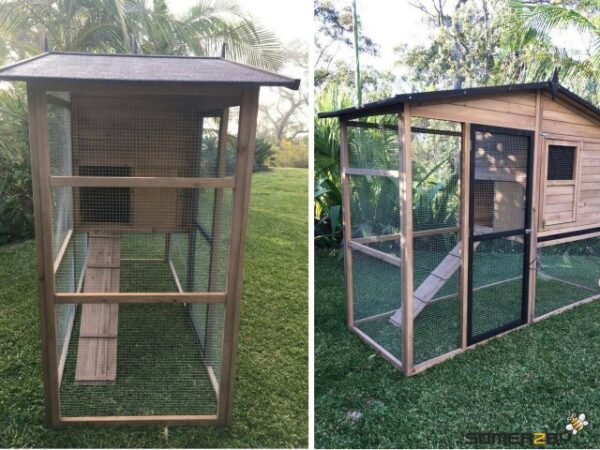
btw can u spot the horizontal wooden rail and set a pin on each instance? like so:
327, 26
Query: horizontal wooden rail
57, 101
387, 355
373, 172
126, 297
435, 232
375, 253
150, 182
382, 238
140, 420
564, 240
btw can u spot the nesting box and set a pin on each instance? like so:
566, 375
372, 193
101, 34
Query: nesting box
467, 214
141, 169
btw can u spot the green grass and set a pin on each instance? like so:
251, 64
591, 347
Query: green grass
271, 396
530, 380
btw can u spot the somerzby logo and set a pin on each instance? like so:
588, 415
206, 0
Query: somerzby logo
575, 424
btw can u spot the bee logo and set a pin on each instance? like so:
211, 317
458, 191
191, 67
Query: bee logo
576, 423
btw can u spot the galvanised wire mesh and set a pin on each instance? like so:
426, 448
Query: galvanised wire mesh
155, 136
566, 274
500, 175
436, 306
373, 142
376, 292
140, 359
374, 205
497, 278
161, 367
164, 227
436, 258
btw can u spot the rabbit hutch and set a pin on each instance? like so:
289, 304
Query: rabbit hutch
467, 214
141, 169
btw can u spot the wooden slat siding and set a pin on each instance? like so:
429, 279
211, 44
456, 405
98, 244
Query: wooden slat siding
465, 177
239, 221
497, 110
534, 201
406, 239
347, 224
561, 117
40, 167
142, 182
146, 297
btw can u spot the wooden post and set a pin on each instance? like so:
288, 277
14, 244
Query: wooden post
40, 176
535, 201
406, 236
465, 189
239, 221
347, 224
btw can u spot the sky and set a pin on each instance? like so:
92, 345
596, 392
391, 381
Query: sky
289, 19
392, 22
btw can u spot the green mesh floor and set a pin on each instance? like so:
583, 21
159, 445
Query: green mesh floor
160, 369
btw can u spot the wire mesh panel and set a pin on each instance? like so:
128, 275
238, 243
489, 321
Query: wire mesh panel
374, 206
497, 285
500, 215
436, 152
566, 274
376, 292
140, 359
160, 366
373, 143
155, 136
499, 181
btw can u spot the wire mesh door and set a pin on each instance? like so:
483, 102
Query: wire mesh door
500, 214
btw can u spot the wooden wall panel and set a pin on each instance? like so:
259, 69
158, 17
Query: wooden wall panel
502, 110
571, 207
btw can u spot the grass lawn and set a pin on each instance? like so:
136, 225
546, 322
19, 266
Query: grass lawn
271, 397
528, 381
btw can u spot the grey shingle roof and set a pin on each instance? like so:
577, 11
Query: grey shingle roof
141, 68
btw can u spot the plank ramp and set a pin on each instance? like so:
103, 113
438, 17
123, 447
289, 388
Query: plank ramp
97, 349
432, 284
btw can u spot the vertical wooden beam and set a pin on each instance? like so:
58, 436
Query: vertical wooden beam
40, 176
347, 224
535, 204
465, 189
239, 222
406, 236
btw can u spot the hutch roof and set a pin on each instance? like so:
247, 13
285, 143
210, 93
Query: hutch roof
141, 68
394, 103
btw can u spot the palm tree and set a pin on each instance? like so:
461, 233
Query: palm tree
106, 26
537, 21
110, 25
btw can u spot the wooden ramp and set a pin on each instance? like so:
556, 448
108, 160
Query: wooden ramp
432, 284
97, 349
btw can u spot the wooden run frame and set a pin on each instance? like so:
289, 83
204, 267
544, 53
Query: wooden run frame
246, 97
466, 117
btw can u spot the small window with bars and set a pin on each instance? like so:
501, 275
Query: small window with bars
104, 204
561, 162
